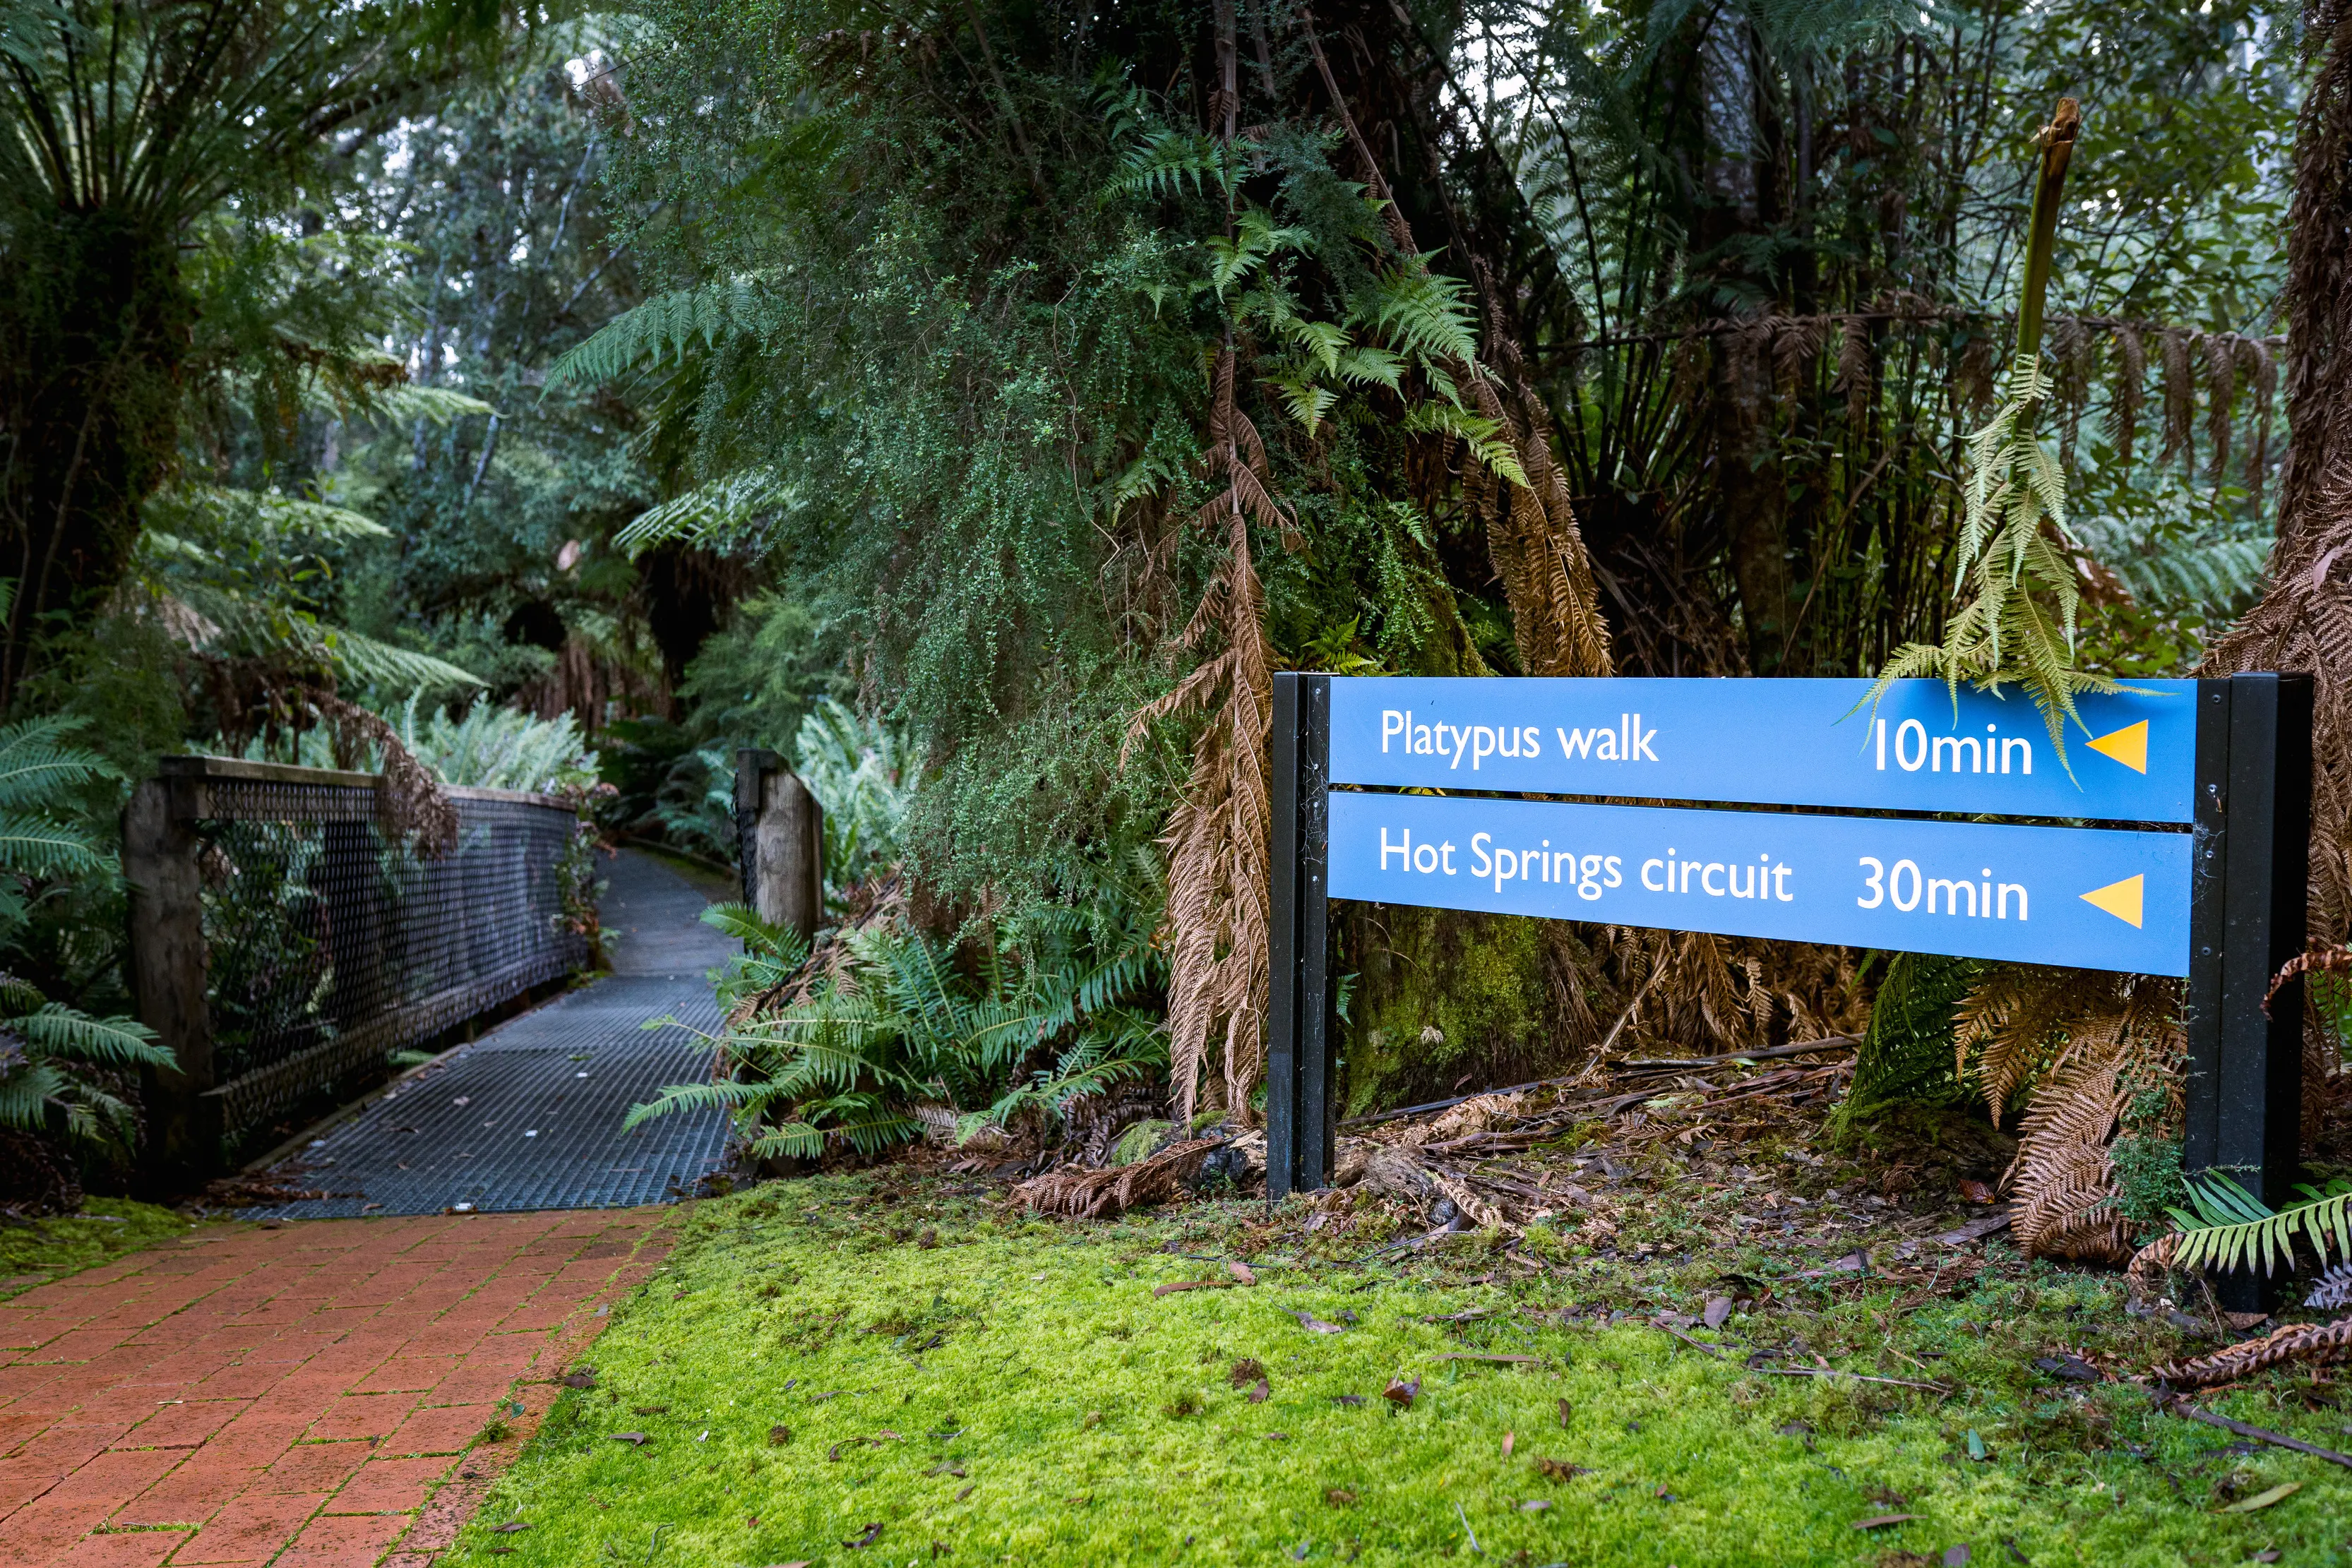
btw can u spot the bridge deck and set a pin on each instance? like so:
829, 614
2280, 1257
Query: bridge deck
529, 1116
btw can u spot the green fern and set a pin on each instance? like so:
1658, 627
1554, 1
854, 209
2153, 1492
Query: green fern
666, 328
719, 514
2228, 1228
2017, 627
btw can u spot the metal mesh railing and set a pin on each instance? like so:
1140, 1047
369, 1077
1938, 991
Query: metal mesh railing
330, 943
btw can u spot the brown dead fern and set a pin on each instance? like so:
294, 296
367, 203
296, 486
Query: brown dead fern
1216, 839
2319, 1342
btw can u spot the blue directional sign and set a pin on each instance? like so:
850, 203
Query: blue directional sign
2093, 898
1780, 742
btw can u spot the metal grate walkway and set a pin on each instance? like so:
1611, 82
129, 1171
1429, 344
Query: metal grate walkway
529, 1116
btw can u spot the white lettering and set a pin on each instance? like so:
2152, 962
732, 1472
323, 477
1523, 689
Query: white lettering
1607, 751
1393, 723
1894, 885
1641, 738
1403, 850
2023, 745
1654, 886
1877, 883
2006, 889
1483, 864
1903, 735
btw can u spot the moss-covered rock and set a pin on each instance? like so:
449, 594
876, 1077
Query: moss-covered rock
1441, 995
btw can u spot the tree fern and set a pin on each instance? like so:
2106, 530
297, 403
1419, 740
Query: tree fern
2228, 1228
721, 513
666, 328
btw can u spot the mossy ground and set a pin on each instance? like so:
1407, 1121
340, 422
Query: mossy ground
986, 1388
35, 1251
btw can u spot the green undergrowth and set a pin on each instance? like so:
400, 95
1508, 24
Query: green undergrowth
823, 1356
35, 1251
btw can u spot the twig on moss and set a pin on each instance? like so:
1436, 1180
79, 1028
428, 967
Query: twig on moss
2171, 1404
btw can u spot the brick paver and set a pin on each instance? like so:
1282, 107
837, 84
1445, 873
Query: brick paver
310, 1393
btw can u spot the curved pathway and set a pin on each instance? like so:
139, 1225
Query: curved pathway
343, 1391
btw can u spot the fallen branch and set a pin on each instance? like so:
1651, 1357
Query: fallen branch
1769, 1053
2173, 1405
1857, 1376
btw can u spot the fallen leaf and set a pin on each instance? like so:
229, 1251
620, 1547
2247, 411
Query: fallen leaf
1241, 1272
635, 1439
2278, 1493
1535, 1505
1174, 1286
1277, 1436
1314, 1324
1259, 1391
1877, 1520
1794, 1429
1563, 1414
967, 1492
1977, 1449
1976, 1192
1245, 1372
947, 1467
1663, 1494
2069, 1368
1509, 1438
1400, 1393
865, 1537
1483, 1356
2242, 1322
1956, 1556
1359, 1399
802, 1564
778, 1435
1339, 1497
1718, 1308
508, 1528
648, 1409
584, 1379
1560, 1469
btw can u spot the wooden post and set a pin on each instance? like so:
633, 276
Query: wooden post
788, 889
752, 766
168, 963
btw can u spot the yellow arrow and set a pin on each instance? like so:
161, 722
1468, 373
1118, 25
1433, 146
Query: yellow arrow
2120, 899
2127, 746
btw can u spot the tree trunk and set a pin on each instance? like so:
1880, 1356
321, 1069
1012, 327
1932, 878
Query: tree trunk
94, 323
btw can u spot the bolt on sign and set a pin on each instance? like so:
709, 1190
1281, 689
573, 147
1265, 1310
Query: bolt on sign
2167, 840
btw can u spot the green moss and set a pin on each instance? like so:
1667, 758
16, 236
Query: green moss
33, 1252
1443, 993
811, 1363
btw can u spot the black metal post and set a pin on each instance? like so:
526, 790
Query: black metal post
1299, 1106
2244, 1108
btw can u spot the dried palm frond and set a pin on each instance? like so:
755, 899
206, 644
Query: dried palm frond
2296, 1342
1084, 1194
2257, 366
2129, 393
2180, 387
1217, 872
2064, 1183
2069, 351
2221, 399
1853, 372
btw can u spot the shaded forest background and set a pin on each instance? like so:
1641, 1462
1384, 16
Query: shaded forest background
976, 403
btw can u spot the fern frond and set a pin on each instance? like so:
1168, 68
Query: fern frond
61, 1031
1484, 436
43, 847
1426, 313
665, 328
2231, 1229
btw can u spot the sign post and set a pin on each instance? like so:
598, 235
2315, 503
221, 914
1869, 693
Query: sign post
2171, 840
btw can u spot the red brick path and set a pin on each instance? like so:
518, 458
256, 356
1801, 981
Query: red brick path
304, 1394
